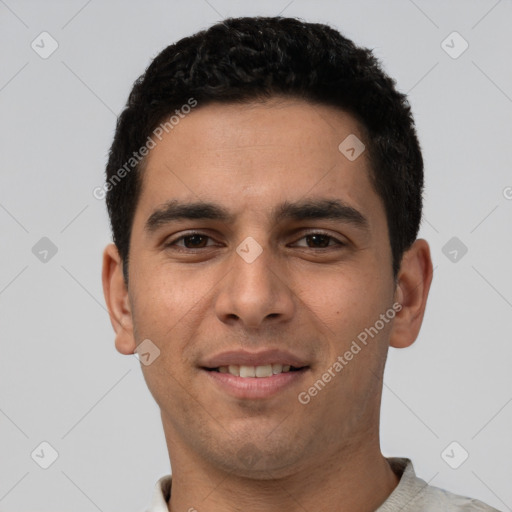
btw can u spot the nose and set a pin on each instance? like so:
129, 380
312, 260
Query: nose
255, 293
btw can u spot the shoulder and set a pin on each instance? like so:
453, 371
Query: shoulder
414, 494
440, 499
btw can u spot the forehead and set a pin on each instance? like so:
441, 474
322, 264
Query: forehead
255, 155
280, 125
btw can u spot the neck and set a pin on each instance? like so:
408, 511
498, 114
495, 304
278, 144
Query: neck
349, 479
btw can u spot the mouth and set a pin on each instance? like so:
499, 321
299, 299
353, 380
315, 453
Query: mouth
255, 375
261, 371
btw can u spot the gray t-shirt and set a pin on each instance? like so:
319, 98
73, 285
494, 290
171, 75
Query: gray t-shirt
412, 494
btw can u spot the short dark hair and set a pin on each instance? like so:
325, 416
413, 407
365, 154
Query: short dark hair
253, 58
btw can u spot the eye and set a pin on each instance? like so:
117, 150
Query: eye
319, 240
191, 241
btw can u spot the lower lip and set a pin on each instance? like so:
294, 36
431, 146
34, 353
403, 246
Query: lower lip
255, 387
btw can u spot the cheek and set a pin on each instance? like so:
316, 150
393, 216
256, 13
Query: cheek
341, 298
163, 312
343, 305
167, 308
161, 298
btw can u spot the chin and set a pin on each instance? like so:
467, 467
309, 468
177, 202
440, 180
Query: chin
254, 457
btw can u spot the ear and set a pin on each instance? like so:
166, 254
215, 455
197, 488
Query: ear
413, 284
117, 299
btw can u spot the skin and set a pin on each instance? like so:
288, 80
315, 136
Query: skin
297, 295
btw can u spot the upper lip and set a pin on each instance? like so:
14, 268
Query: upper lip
261, 358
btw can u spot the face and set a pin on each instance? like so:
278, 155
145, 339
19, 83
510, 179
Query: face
258, 246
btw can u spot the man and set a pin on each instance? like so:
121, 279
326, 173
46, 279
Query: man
265, 191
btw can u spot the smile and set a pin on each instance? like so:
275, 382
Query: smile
262, 371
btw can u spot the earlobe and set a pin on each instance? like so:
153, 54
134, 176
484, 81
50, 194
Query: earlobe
414, 279
117, 300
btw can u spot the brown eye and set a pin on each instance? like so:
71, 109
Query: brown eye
318, 240
191, 241
194, 241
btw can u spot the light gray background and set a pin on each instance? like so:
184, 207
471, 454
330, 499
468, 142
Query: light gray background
61, 379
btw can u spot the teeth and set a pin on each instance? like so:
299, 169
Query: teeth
277, 368
254, 371
263, 371
247, 371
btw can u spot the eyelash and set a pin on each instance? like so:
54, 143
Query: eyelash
172, 243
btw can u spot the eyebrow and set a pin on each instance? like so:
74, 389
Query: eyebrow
319, 209
175, 210
322, 209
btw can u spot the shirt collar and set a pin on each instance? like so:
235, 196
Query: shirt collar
161, 495
402, 467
